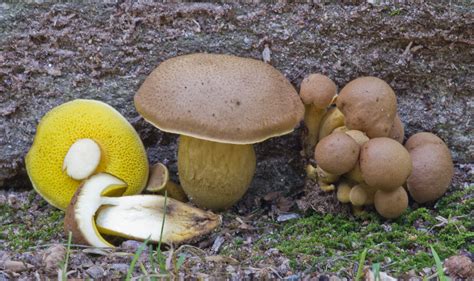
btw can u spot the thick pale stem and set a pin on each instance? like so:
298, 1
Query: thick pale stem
312, 120
214, 175
82, 159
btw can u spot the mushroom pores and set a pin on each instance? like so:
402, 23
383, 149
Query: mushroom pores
122, 152
369, 105
432, 172
385, 163
391, 204
337, 153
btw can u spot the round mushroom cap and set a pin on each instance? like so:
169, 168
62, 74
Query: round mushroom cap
432, 172
422, 139
318, 89
337, 153
122, 151
358, 196
369, 105
359, 136
219, 98
397, 132
384, 163
391, 204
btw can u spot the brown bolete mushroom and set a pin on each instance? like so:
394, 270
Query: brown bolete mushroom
385, 164
92, 212
317, 92
369, 105
432, 168
391, 204
220, 105
337, 153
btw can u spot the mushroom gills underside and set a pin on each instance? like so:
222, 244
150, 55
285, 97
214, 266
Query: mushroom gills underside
141, 216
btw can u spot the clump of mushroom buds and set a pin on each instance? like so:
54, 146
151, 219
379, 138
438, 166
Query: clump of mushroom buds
360, 154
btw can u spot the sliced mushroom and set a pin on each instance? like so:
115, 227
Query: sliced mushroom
133, 217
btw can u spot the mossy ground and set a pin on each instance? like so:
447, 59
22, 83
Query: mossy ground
29, 224
333, 242
315, 243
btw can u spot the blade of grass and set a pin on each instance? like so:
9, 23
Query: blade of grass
180, 261
376, 271
439, 265
161, 260
152, 262
361, 265
66, 259
135, 259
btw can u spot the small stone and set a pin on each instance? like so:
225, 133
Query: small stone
217, 244
293, 277
14, 266
130, 246
95, 272
52, 257
460, 266
120, 267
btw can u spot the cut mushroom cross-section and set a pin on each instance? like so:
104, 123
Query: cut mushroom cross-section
138, 217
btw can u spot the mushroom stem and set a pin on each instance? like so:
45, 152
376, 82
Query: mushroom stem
312, 119
82, 159
214, 175
159, 182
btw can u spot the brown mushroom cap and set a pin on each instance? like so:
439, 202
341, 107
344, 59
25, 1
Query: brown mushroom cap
219, 98
359, 136
318, 89
358, 195
337, 153
385, 163
369, 105
422, 139
391, 204
432, 172
397, 132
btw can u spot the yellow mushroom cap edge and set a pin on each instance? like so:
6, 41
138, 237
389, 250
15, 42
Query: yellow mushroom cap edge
122, 152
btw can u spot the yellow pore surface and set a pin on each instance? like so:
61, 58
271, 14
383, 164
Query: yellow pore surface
122, 152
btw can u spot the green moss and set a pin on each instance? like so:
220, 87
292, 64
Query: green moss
21, 230
333, 242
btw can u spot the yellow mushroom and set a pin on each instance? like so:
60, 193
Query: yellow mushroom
71, 138
343, 192
220, 105
331, 120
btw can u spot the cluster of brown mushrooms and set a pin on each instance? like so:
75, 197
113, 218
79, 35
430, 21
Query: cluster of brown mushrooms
356, 138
